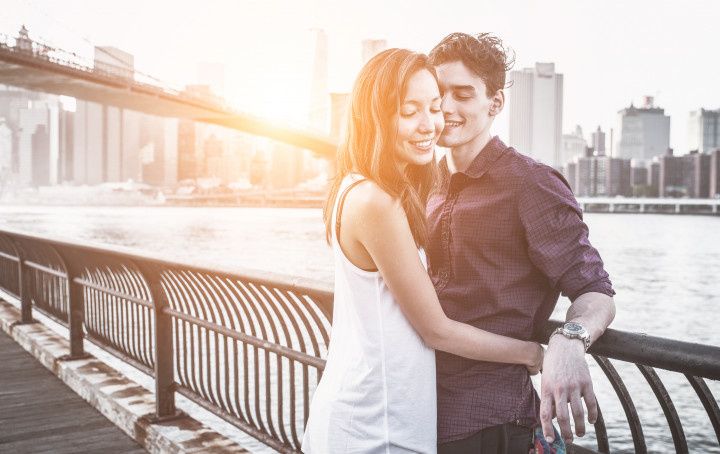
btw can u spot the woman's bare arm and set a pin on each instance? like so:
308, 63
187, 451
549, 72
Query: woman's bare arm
377, 222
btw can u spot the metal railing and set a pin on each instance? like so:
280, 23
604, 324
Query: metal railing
251, 349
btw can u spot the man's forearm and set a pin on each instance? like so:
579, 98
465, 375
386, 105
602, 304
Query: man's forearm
594, 311
566, 378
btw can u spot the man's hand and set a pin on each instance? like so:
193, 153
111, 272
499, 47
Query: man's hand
566, 379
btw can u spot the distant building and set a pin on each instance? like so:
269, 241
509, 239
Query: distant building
685, 176
38, 146
40, 156
372, 47
189, 155
715, 173
654, 178
584, 177
701, 175
644, 132
213, 149
570, 170
598, 142
536, 107
704, 130
572, 146
639, 176
639, 181
600, 176
260, 169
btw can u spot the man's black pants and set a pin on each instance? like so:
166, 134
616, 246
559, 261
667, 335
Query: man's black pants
503, 439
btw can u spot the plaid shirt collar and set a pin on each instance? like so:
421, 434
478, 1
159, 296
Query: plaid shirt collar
482, 162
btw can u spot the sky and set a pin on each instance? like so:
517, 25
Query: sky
611, 53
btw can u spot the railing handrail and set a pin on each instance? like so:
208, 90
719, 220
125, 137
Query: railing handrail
262, 277
701, 360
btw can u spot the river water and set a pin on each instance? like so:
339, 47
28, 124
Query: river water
665, 270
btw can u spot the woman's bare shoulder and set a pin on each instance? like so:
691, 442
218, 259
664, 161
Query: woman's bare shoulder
369, 199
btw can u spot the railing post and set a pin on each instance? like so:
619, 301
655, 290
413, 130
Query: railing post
76, 309
164, 354
23, 288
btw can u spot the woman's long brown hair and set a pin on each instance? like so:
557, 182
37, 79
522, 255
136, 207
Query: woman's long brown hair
370, 138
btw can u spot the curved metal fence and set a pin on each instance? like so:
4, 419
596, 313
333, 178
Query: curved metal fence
251, 349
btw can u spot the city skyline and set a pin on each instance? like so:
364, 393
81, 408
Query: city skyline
618, 52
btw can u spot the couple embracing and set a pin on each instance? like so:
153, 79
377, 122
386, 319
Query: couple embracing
445, 272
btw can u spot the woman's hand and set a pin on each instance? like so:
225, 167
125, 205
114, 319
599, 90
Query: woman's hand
535, 365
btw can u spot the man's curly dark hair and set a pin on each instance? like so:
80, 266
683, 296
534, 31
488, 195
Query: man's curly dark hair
484, 54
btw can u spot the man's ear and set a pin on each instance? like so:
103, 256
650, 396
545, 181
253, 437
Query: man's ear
498, 102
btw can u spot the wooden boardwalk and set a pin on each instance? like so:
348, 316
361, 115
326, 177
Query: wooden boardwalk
40, 414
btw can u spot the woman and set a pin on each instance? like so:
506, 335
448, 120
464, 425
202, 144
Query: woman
377, 393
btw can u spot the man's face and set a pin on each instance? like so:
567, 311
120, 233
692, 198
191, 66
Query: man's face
465, 105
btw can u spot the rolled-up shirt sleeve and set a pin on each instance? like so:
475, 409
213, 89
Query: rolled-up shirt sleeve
557, 237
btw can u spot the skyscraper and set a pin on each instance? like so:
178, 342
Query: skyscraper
372, 47
704, 130
38, 144
598, 142
536, 106
572, 146
715, 173
644, 132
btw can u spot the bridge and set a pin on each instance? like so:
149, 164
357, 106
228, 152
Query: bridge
39, 66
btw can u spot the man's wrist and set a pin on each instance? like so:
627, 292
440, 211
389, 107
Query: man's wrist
557, 339
575, 330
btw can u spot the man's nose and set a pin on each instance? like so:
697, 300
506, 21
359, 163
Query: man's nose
447, 105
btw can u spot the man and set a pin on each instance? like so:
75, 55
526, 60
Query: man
506, 238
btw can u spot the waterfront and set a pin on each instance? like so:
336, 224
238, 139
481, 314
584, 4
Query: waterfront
664, 269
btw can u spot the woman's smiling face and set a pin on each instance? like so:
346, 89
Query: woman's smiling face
420, 120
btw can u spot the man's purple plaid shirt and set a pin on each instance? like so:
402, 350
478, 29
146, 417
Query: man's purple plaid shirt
506, 238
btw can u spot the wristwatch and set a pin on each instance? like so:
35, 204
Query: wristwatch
574, 330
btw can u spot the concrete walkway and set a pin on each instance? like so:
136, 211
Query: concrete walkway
40, 414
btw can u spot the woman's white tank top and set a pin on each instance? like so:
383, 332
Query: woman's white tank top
377, 393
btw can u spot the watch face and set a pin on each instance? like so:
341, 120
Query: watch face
573, 328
